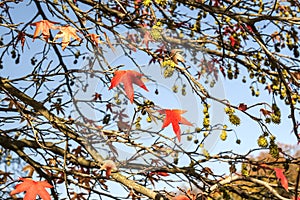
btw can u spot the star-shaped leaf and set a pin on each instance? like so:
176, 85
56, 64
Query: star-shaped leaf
173, 116
32, 189
43, 26
67, 33
128, 77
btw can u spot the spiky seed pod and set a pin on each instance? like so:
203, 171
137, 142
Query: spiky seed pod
235, 120
262, 141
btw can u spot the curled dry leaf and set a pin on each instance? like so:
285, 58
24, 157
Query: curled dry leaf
94, 38
176, 56
242, 107
4, 175
21, 37
108, 166
265, 112
29, 169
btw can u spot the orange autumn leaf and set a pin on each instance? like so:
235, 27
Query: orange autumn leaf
282, 178
32, 189
94, 38
128, 77
43, 26
173, 116
67, 33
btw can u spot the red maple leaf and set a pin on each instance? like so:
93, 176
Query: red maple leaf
242, 107
43, 26
174, 116
32, 189
127, 77
282, 178
66, 33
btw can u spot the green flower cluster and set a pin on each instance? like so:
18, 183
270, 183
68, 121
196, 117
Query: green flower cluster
273, 148
206, 120
234, 119
276, 115
169, 67
156, 31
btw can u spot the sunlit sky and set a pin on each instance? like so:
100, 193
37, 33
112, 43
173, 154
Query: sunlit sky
233, 90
